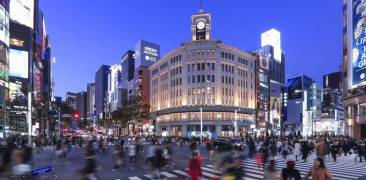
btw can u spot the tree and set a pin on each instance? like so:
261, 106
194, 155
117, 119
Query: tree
66, 109
121, 117
133, 111
140, 110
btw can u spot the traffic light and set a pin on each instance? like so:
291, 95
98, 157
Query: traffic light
76, 116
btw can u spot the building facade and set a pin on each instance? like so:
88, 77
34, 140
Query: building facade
127, 73
353, 67
332, 121
91, 115
203, 80
101, 91
70, 99
114, 88
81, 105
270, 83
302, 104
4, 66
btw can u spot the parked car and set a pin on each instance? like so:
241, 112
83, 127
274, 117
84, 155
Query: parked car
228, 144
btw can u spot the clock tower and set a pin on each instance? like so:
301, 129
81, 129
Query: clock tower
201, 26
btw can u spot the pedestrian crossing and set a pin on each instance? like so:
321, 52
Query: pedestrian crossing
344, 169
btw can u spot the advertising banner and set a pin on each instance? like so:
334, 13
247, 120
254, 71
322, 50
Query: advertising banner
358, 42
18, 63
22, 12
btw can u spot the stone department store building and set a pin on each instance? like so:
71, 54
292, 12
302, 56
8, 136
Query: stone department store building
207, 79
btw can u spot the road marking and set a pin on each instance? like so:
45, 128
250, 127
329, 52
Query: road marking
181, 172
134, 178
168, 174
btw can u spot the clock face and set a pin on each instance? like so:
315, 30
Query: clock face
200, 25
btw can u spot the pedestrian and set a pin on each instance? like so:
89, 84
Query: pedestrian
21, 169
297, 150
210, 150
319, 171
285, 151
334, 151
194, 168
118, 153
290, 172
305, 150
270, 172
132, 152
91, 164
259, 158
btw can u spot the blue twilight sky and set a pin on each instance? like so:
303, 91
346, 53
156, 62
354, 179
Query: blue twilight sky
88, 33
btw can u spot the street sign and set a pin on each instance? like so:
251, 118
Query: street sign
66, 115
41, 171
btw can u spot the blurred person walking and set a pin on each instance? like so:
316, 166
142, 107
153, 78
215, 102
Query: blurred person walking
319, 171
290, 173
194, 167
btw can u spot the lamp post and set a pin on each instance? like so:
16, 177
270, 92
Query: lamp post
29, 117
236, 123
59, 122
201, 124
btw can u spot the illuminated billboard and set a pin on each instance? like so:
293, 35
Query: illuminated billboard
22, 12
358, 42
18, 63
275, 109
146, 53
273, 38
17, 94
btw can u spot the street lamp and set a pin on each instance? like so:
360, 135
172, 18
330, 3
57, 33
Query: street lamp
201, 124
236, 122
29, 117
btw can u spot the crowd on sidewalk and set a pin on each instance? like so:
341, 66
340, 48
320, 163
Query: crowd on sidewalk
16, 154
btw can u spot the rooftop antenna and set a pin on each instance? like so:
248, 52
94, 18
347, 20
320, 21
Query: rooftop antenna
201, 6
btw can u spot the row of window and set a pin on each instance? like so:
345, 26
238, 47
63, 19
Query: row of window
201, 79
201, 91
175, 71
227, 56
242, 61
164, 65
176, 59
176, 93
227, 80
176, 82
153, 72
201, 67
242, 73
227, 92
227, 68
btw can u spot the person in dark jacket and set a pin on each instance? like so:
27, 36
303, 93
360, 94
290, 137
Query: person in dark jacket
290, 172
305, 150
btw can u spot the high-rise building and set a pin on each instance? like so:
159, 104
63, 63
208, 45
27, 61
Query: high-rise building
81, 105
127, 73
270, 82
4, 59
353, 67
302, 104
91, 102
101, 91
114, 88
70, 99
332, 105
21, 53
206, 80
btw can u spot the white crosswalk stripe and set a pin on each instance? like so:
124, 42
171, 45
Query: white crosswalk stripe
344, 169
